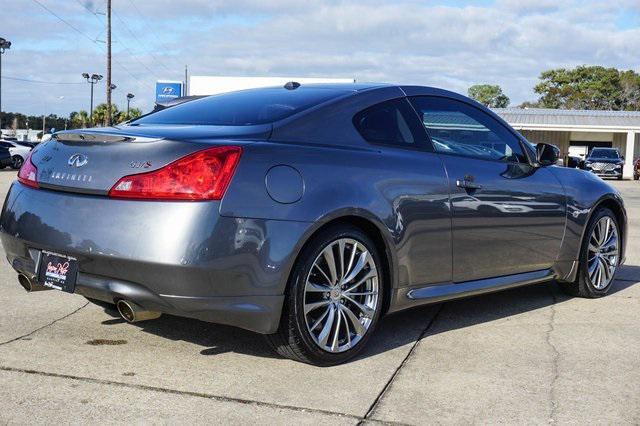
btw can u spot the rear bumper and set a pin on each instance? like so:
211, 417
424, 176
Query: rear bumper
177, 258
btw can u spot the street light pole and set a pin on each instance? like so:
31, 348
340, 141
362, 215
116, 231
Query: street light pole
4, 45
91, 79
129, 97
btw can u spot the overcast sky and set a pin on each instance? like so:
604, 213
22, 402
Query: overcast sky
451, 44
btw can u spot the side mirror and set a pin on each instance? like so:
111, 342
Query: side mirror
547, 154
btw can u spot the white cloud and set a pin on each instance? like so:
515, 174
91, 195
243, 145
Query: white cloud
406, 41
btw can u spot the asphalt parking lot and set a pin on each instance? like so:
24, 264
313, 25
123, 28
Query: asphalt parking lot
530, 355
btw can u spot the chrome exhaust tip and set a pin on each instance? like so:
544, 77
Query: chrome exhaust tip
30, 285
132, 312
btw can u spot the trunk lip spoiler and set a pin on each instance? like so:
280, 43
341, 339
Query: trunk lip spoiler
100, 137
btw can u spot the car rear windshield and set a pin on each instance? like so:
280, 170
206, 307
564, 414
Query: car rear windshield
605, 153
243, 108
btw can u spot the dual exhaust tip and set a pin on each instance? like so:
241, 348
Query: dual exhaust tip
132, 312
129, 311
30, 284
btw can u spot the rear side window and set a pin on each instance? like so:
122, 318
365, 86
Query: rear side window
458, 128
392, 122
244, 108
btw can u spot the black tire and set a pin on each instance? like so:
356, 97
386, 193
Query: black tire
16, 162
636, 177
619, 177
293, 340
582, 286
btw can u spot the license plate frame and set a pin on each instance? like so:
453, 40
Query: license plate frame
58, 271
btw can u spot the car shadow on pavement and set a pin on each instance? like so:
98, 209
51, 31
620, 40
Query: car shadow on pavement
395, 330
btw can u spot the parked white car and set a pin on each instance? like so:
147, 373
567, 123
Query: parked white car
18, 152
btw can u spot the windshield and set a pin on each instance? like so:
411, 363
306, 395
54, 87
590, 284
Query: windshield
605, 153
243, 108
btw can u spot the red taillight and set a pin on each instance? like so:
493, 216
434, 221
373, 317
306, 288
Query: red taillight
203, 175
28, 174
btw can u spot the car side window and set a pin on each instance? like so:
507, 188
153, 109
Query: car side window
458, 128
392, 123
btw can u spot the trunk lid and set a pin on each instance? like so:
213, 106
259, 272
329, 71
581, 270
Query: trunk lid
91, 161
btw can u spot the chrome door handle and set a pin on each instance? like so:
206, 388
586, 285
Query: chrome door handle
467, 183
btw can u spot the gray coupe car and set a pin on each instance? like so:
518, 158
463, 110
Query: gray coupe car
307, 213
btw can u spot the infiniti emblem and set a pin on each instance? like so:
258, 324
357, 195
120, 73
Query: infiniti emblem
78, 160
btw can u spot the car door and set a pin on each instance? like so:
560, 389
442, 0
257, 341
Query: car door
508, 215
413, 183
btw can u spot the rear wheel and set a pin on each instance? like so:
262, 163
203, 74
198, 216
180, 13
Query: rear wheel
599, 256
16, 162
334, 299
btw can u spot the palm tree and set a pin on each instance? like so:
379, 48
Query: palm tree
79, 119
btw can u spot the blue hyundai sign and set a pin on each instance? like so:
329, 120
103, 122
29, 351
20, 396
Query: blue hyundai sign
168, 90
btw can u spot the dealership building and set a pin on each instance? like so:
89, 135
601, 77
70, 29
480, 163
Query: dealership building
576, 132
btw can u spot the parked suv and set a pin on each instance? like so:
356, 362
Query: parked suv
605, 162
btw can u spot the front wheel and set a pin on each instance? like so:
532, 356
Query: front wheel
599, 256
16, 162
334, 299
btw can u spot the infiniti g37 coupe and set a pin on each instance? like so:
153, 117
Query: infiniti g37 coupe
306, 213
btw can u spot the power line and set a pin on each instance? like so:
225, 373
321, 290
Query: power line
117, 40
64, 21
38, 81
147, 50
149, 30
85, 36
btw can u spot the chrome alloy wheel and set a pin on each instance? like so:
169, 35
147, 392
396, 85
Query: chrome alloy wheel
341, 295
602, 254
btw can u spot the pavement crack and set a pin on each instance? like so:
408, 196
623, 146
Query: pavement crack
386, 387
181, 392
553, 401
44, 326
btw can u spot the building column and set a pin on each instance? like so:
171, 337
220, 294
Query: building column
627, 172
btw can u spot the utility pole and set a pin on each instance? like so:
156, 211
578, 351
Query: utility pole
186, 81
109, 63
4, 45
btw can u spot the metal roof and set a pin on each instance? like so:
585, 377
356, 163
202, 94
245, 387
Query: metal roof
553, 118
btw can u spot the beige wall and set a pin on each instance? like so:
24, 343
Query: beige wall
559, 139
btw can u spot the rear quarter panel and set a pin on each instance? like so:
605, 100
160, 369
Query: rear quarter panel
403, 192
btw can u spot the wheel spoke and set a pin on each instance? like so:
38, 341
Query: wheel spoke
324, 274
317, 287
358, 328
366, 293
320, 318
341, 245
312, 306
346, 327
366, 311
372, 273
331, 263
362, 261
336, 334
324, 334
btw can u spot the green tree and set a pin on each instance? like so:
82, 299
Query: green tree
589, 87
489, 95
100, 114
79, 119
